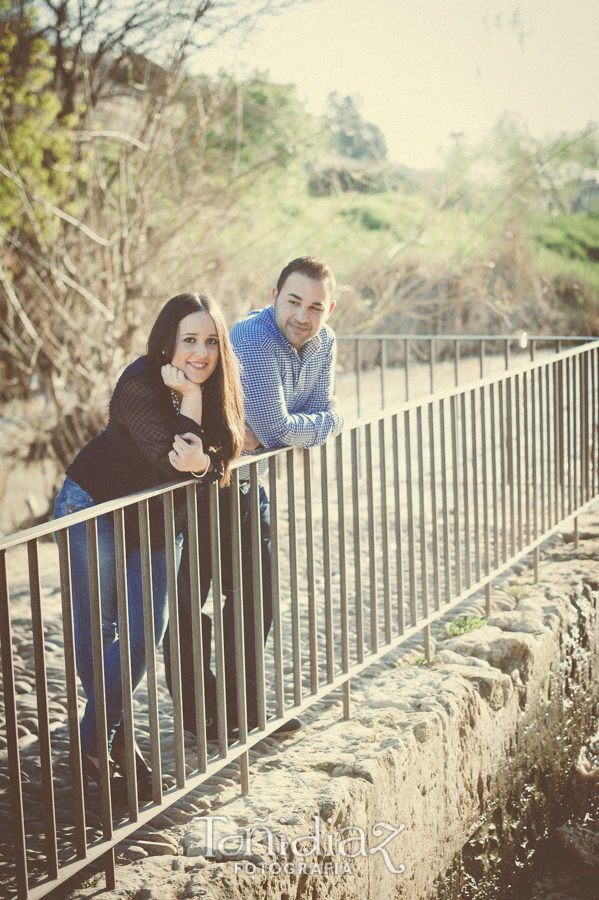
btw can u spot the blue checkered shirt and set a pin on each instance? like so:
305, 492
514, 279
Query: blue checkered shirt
286, 395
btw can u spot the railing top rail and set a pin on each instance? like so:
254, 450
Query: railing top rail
48, 528
456, 390
552, 338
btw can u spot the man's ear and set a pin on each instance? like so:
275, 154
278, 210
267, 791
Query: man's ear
274, 296
332, 307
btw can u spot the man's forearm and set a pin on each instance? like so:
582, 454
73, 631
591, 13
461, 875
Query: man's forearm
298, 429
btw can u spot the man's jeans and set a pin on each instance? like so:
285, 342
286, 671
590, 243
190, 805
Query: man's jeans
185, 621
72, 499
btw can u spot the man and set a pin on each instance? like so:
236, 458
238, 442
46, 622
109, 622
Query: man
287, 354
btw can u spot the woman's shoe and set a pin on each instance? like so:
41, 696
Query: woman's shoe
143, 773
92, 772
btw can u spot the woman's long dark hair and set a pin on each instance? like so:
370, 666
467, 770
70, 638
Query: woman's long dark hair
222, 403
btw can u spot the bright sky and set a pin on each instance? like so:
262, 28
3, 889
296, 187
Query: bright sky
427, 68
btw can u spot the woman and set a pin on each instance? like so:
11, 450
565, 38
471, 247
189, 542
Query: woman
175, 412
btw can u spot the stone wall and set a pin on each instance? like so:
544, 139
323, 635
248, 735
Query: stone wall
473, 755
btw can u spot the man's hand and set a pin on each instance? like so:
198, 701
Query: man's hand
251, 442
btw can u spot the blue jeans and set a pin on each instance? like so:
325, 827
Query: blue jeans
184, 605
72, 499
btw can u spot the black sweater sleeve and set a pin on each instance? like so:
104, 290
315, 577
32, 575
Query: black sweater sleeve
150, 423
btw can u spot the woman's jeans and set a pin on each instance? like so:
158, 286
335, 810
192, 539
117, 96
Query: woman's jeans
72, 499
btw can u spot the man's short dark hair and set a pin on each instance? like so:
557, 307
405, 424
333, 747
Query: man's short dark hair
313, 267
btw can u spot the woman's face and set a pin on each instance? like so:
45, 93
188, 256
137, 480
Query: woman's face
196, 349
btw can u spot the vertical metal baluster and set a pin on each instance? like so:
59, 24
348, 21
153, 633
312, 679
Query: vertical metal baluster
258, 600
343, 606
148, 604
445, 498
125, 656
385, 532
531, 344
312, 617
374, 624
411, 538
526, 456
577, 431
238, 625
585, 494
550, 426
543, 523
518, 451
482, 358
100, 695
383, 370
512, 409
407, 353
217, 619
456, 362
62, 541
456, 494
192, 539
509, 401
432, 365
19, 845
477, 555
560, 454
485, 478
593, 395
534, 482
552, 432
357, 546
358, 373
434, 512
326, 551
398, 526
41, 687
495, 489
295, 616
570, 417
277, 633
465, 466
173, 607
504, 481
506, 347
562, 437
422, 519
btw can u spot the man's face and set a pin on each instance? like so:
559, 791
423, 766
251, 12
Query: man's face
302, 306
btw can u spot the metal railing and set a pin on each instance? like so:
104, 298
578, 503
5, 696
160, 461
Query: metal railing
375, 536
403, 359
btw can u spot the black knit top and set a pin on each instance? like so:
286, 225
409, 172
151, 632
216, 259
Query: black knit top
131, 454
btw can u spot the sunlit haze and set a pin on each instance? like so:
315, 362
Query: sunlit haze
428, 68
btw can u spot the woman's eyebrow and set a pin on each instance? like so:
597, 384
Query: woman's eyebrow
195, 333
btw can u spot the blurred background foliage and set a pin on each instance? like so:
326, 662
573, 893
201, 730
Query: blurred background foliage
124, 179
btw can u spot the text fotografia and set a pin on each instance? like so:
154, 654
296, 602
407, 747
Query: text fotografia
350, 842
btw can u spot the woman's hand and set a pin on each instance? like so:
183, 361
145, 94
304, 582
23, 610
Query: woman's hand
177, 380
188, 454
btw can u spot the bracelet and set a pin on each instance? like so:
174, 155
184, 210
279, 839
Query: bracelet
195, 474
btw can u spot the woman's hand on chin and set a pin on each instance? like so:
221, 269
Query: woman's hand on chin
188, 454
177, 380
